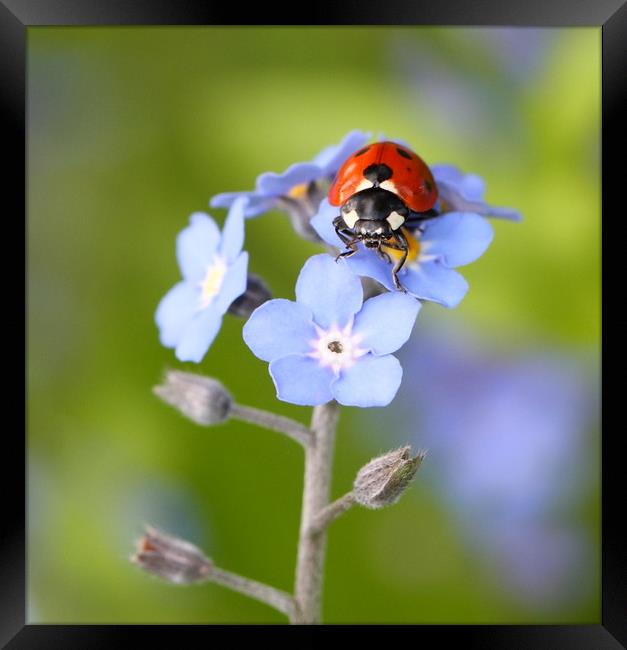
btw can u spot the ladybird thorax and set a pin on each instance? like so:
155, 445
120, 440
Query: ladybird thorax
374, 205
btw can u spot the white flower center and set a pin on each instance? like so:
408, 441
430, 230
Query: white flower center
212, 282
336, 348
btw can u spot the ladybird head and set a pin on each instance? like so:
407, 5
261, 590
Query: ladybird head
372, 233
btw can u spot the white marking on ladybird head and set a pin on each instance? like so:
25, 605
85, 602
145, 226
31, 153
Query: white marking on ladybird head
390, 186
350, 218
395, 220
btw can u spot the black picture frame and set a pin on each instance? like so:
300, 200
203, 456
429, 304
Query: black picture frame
16, 16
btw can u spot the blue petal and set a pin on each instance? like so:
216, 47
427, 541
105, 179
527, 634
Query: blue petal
271, 184
175, 311
256, 204
434, 282
464, 193
502, 213
196, 246
332, 292
385, 322
301, 380
322, 223
331, 158
198, 335
457, 238
226, 199
233, 231
368, 263
372, 381
470, 186
279, 328
233, 285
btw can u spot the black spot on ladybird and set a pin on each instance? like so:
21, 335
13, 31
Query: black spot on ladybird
362, 151
428, 186
377, 173
403, 153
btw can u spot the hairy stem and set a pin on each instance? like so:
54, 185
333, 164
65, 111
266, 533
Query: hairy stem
312, 543
291, 428
269, 595
329, 514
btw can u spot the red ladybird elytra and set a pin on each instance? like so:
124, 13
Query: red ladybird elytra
380, 188
408, 176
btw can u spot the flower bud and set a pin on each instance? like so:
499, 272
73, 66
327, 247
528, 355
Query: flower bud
170, 558
255, 295
201, 399
383, 480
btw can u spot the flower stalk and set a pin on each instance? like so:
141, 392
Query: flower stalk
206, 402
179, 562
279, 423
276, 598
312, 541
334, 510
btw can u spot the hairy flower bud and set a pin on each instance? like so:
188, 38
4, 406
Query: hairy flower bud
201, 399
170, 558
255, 295
382, 481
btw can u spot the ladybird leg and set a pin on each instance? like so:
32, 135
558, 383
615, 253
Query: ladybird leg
351, 242
401, 245
384, 256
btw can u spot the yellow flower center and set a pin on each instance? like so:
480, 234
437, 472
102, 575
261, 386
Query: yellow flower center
298, 191
412, 253
212, 282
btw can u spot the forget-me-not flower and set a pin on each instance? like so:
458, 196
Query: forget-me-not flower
271, 187
461, 192
214, 274
329, 344
451, 240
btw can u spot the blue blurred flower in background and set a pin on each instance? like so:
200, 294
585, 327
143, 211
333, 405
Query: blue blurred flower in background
214, 274
448, 241
509, 454
272, 188
477, 93
329, 344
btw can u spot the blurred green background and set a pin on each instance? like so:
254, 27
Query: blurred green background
130, 130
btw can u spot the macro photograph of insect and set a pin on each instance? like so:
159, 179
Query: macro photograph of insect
314, 324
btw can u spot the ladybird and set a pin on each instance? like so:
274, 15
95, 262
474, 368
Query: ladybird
380, 188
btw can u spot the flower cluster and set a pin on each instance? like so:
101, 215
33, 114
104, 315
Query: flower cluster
329, 344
